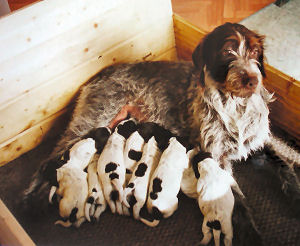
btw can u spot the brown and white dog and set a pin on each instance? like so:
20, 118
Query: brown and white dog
218, 100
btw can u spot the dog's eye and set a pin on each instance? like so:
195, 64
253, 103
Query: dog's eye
254, 53
226, 52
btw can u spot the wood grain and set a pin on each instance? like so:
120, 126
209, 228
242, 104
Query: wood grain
11, 232
42, 70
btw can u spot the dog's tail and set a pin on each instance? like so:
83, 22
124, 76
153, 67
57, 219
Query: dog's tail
283, 160
284, 151
245, 230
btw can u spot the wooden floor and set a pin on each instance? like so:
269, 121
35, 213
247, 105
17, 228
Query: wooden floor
206, 14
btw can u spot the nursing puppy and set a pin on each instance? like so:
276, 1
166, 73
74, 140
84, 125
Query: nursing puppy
96, 203
218, 100
132, 153
135, 194
159, 141
165, 182
72, 183
111, 169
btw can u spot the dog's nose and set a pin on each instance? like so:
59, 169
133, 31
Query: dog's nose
252, 82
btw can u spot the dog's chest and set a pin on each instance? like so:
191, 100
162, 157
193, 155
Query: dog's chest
236, 128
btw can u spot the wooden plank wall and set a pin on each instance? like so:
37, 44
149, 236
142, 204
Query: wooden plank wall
48, 52
285, 111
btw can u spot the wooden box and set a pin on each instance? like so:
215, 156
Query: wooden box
49, 49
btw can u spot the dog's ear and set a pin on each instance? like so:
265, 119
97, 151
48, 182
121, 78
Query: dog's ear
198, 61
261, 39
197, 56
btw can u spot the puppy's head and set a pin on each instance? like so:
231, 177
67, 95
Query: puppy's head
83, 150
232, 56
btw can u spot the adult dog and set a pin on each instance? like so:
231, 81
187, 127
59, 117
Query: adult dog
219, 101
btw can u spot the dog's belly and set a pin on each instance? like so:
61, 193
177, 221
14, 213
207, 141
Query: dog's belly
150, 91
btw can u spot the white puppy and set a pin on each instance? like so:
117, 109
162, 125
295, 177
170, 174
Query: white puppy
215, 200
111, 169
135, 194
72, 181
165, 182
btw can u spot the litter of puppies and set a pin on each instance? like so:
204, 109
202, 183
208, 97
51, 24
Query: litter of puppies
138, 169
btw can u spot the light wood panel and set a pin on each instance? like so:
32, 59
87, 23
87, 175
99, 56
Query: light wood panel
11, 232
207, 14
45, 62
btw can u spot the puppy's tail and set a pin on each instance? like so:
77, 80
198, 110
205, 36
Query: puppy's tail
63, 223
147, 218
89, 205
127, 196
119, 187
284, 152
152, 223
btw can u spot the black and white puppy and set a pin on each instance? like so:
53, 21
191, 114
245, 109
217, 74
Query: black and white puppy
135, 194
96, 203
165, 182
111, 168
215, 199
72, 183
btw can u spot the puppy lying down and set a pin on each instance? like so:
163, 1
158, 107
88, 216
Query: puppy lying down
165, 182
72, 183
135, 194
111, 168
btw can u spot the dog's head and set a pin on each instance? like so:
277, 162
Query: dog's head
232, 56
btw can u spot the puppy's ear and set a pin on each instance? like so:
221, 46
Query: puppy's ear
198, 61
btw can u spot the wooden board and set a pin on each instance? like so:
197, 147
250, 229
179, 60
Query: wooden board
41, 70
285, 111
11, 232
